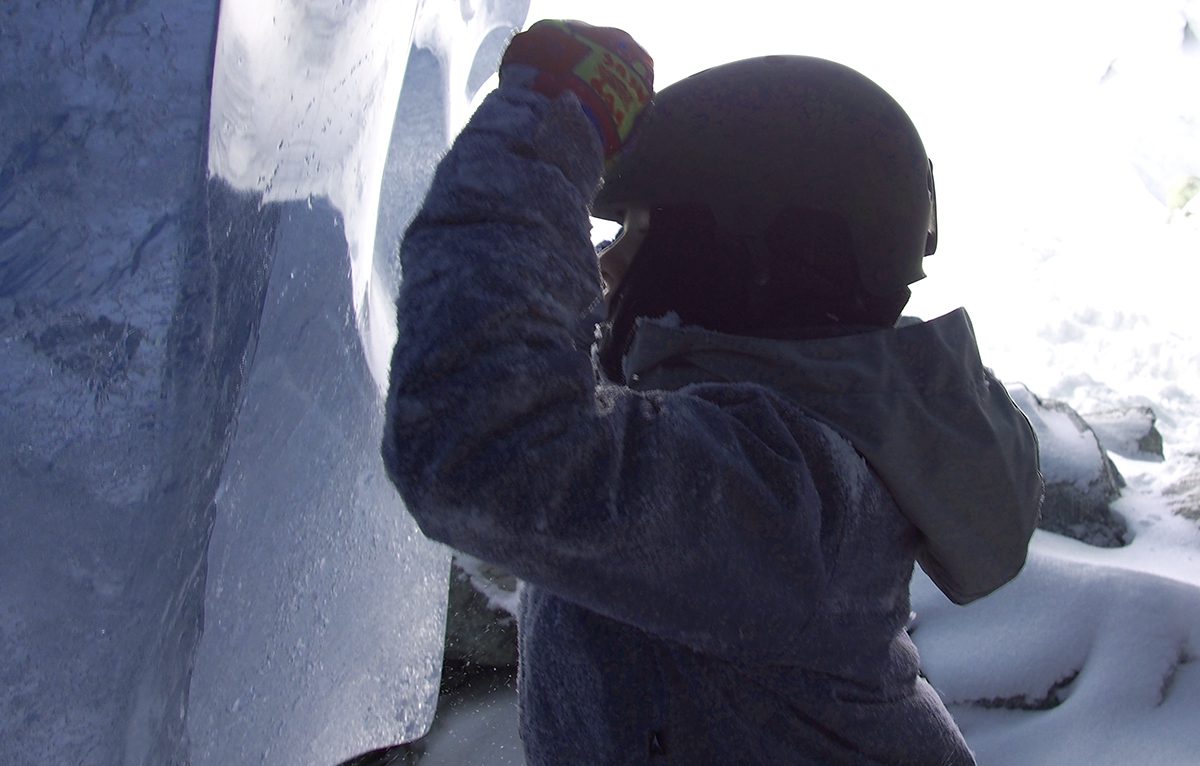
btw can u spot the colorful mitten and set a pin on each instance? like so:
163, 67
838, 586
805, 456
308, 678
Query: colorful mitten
609, 72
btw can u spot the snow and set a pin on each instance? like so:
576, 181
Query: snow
485, 581
1068, 454
480, 731
1081, 659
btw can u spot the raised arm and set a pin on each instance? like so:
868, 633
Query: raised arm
691, 514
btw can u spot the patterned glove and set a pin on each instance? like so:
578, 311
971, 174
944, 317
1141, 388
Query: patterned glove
609, 72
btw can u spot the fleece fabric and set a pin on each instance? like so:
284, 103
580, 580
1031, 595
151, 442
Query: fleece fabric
714, 575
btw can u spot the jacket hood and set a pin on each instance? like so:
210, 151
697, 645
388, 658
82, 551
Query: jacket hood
940, 431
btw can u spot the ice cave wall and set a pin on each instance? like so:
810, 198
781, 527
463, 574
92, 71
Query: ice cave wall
123, 338
199, 556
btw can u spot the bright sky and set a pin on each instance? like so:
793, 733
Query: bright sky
1044, 172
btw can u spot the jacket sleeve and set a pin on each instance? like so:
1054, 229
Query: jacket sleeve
690, 514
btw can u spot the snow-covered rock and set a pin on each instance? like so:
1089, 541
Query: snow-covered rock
1130, 432
1081, 481
1182, 492
481, 617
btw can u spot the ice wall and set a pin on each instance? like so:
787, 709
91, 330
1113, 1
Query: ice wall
323, 617
325, 606
144, 304
121, 346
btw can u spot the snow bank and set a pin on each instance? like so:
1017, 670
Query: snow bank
1073, 663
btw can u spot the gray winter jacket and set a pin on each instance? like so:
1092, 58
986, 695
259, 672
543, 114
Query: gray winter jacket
715, 575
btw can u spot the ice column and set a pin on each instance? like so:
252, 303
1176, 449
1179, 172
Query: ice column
324, 609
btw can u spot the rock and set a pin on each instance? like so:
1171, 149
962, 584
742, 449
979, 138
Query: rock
1183, 494
1130, 432
1081, 481
481, 624
1058, 692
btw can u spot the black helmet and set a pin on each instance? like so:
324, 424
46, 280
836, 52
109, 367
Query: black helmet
755, 140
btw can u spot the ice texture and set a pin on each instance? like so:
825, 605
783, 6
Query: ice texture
325, 606
200, 558
323, 616
122, 346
